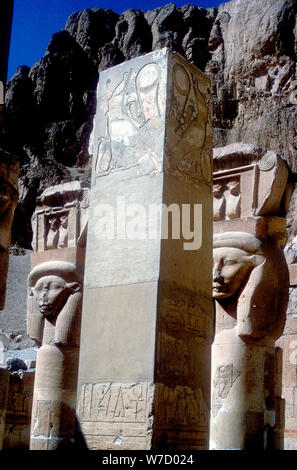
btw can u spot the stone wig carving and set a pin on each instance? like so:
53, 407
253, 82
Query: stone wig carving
250, 282
54, 303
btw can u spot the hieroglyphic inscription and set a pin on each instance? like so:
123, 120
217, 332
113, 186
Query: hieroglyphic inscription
19, 403
174, 356
183, 325
181, 407
183, 316
114, 402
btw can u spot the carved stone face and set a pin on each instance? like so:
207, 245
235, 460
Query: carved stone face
50, 293
231, 267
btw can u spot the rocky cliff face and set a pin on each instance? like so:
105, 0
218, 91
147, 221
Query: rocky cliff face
247, 47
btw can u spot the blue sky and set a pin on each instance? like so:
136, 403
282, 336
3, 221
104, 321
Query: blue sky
34, 21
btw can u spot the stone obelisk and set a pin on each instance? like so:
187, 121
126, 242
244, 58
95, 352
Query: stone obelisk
144, 376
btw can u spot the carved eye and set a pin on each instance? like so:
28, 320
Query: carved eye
56, 286
38, 289
230, 262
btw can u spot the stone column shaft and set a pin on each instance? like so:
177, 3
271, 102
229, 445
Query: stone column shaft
144, 376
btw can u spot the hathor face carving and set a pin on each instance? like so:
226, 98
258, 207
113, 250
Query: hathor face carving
231, 266
51, 292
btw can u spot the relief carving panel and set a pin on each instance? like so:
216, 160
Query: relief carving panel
132, 110
225, 377
189, 146
60, 218
180, 406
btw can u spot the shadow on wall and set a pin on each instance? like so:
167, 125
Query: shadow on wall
280, 405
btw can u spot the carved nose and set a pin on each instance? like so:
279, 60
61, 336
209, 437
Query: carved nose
44, 294
216, 273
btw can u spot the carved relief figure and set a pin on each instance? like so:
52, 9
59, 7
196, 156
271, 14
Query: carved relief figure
57, 235
174, 356
232, 196
53, 234
60, 218
226, 202
63, 231
181, 406
219, 201
188, 124
132, 112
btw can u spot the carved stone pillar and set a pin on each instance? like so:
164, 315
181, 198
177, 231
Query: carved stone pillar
144, 379
9, 168
287, 435
250, 288
54, 311
19, 408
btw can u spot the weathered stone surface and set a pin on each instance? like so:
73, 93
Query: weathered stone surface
54, 311
248, 50
255, 187
151, 144
92, 28
4, 390
288, 346
250, 286
9, 167
13, 328
19, 408
253, 63
61, 216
